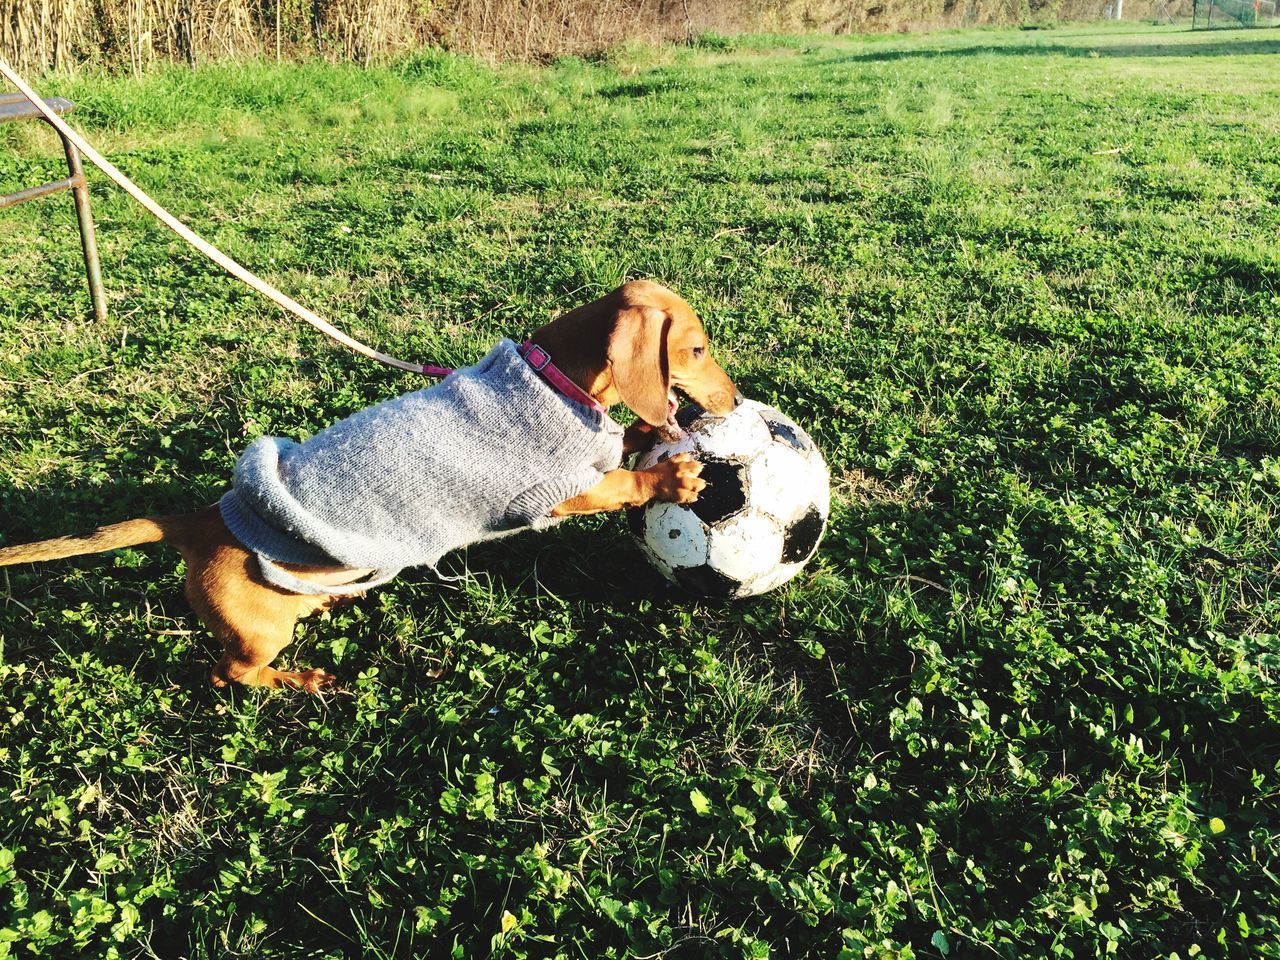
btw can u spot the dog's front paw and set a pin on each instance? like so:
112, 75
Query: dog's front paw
679, 479
314, 680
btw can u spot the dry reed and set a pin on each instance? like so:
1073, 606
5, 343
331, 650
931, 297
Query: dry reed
62, 34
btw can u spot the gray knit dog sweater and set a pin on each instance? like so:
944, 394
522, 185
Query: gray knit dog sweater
487, 452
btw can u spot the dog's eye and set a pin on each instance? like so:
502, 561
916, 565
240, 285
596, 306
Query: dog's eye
699, 351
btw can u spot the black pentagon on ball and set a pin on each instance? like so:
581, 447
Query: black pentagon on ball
707, 582
802, 537
725, 493
687, 414
635, 522
785, 431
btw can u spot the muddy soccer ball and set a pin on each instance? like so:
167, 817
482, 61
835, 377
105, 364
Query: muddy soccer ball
761, 515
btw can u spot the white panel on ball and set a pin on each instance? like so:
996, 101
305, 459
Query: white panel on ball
775, 578
676, 535
665, 451
740, 435
782, 482
746, 547
820, 482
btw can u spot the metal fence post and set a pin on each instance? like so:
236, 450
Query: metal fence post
88, 238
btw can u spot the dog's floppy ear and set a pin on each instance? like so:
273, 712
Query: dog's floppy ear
638, 361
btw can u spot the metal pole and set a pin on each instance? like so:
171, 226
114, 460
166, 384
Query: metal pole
31, 193
88, 238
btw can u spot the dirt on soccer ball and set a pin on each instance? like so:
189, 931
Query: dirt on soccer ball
763, 511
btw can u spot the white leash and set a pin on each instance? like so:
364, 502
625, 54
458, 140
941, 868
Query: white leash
189, 235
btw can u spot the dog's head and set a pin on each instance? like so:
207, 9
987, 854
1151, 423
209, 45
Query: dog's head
657, 346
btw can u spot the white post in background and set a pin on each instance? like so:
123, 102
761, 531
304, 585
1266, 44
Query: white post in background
1119, 9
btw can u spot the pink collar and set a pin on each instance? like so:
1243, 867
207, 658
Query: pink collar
540, 360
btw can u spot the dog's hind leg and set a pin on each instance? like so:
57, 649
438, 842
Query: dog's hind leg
252, 620
247, 660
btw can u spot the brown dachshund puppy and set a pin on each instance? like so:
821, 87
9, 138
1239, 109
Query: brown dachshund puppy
633, 346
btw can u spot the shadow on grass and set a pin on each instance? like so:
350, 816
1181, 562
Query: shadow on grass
591, 565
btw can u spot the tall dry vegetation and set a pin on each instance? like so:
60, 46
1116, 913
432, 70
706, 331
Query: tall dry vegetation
134, 33
39, 34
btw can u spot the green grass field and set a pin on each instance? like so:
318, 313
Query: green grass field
1020, 286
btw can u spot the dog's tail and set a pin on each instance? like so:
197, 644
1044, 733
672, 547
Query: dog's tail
111, 537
